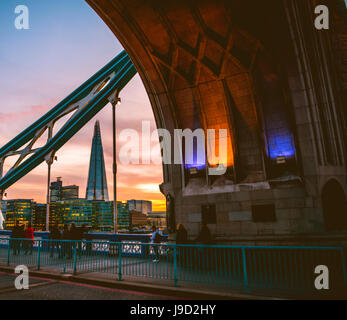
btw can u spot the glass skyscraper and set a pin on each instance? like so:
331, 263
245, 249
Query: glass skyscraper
97, 182
20, 210
123, 216
79, 211
103, 215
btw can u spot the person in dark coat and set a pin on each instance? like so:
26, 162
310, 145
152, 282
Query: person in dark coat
205, 254
74, 233
182, 238
204, 236
155, 239
55, 237
17, 233
81, 236
181, 234
75, 236
29, 242
65, 244
87, 237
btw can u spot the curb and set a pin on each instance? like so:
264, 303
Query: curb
178, 292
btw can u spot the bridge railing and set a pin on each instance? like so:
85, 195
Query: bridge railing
92, 236
249, 268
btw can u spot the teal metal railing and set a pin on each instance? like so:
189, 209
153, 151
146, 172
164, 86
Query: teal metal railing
248, 268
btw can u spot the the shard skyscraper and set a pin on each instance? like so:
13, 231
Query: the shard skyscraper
97, 182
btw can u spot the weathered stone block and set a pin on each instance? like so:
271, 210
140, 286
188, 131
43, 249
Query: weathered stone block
248, 228
261, 194
240, 216
288, 193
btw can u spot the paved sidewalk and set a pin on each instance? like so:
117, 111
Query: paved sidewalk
146, 276
164, 287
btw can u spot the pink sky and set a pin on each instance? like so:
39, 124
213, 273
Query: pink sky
66, 44
134, 181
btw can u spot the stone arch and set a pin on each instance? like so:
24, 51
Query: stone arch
201, 62
334, 206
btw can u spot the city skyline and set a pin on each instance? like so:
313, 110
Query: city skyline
31, 69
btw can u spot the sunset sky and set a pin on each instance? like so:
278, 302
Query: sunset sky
67, 43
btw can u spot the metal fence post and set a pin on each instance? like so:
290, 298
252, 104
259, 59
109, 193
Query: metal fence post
119, 262
244, 264
175, 266
38, 254
344, 270
75, 259
8, 252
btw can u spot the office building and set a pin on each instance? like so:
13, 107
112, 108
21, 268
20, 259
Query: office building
2, 214
79, 211
39, 216
123, 216
143, 206
137, 219
55, 190
20, 210
157, 218
59, 192
103, 216
69, 192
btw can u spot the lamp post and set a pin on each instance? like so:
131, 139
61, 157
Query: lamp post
48, 199
115, 216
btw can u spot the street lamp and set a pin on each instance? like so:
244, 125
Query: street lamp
48, 200
115, 218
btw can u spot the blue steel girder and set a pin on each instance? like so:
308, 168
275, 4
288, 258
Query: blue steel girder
83, 103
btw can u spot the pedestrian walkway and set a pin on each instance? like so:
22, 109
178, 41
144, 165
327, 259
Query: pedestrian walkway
271, 270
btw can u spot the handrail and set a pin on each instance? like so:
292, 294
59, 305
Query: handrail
288, 268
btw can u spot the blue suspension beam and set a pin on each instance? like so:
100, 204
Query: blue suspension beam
83, 103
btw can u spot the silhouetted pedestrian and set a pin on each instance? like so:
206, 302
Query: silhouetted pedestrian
29, 242
155, 239
181, 238
15, 236
204, 236
205, 254
65, 243
81, 236
74, 236
55, 237
181, 234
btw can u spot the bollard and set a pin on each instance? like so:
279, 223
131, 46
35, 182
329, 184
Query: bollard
8, 252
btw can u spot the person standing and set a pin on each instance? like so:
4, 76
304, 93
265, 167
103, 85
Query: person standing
29, 239
155, 239
83, 237
74, 236
15, 236
205, 254
80, 236
65, 243
181, 234
204, 236
21, 236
